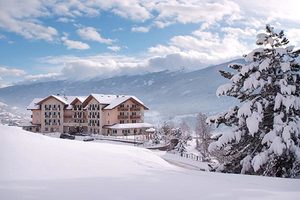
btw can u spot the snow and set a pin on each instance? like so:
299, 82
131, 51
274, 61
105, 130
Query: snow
277, 146
33, 105
150, 130
264, 65
285, 66
245, 110
246, 164
130, 125
223, 89
120, 99
253, 123
259, 160
34, 166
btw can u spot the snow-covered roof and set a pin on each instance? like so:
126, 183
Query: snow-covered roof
120, 99
130, 126
104, 98
33, 105
150, 130
71, 99
111, 101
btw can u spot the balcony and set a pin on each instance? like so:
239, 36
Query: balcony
122, 109
122, 117
75, 124
135, 109
135, 117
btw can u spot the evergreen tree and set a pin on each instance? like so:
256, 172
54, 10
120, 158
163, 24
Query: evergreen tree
156, 138
182, 140
266, 126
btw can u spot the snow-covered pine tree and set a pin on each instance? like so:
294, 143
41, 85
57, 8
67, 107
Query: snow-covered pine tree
182, 141
156, 138
266, 126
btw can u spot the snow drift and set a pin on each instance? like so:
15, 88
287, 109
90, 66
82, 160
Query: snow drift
26, 155
34, 166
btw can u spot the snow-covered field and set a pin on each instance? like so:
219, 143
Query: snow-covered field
34, 166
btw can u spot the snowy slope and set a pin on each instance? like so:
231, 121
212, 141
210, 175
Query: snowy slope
40, 157
171, 93
39, 167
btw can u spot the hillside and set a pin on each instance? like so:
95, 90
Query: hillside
169, 93
34, 166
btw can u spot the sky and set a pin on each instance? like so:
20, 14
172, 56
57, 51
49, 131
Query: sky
44, 40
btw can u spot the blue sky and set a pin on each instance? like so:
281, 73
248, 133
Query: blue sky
76, 39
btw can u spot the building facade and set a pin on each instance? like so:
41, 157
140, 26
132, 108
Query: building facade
93, 114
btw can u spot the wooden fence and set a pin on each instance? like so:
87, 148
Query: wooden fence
191, 156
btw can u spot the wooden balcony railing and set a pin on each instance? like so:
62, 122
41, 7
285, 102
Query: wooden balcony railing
135, 109
122, 109
135, 117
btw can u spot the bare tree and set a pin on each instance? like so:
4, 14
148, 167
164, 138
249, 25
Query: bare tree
203, 133
186, 130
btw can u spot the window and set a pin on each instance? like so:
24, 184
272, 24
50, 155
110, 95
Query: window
121, 121
134, 121
46, 129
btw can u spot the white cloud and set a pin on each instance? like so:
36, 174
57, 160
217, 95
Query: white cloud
72, 44
193, 11
9, 75
2, 37
90, 33
65, 20
163, 50
5, 71
142, 29
43, 77
114, 48
104, 65
293, 35
21, 17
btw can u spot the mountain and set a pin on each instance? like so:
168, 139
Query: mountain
169, 93
12, 116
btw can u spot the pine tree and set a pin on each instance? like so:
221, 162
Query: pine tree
156, 138
182, 140
266, 127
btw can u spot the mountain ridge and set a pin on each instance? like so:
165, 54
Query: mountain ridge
167, 92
